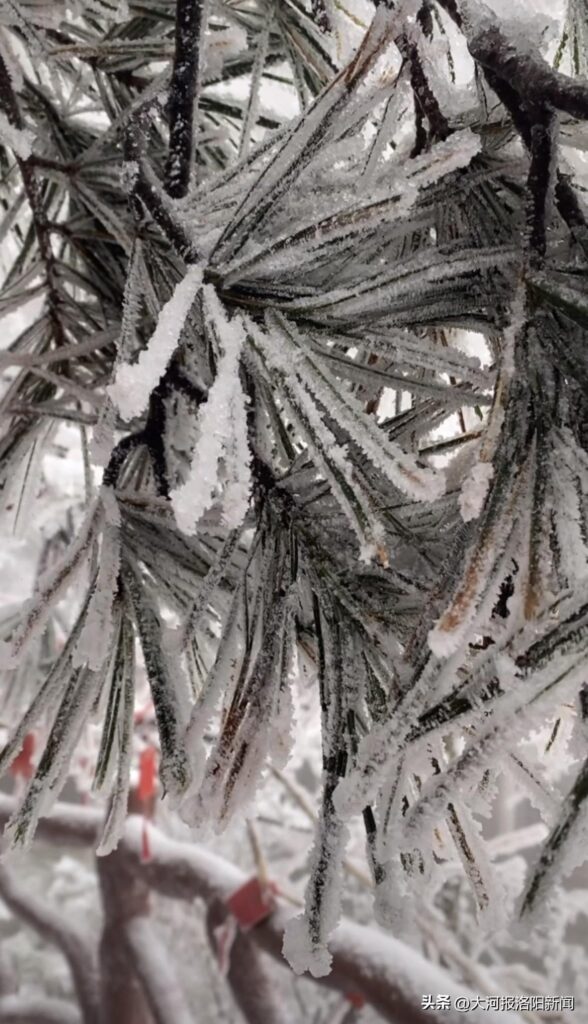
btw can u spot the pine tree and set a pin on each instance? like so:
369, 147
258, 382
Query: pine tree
256, 320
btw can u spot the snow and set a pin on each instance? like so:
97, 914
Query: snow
19, 139
222, 428
474, 490
336, 256
134, 382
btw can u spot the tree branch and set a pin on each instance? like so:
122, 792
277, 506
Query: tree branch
389, 974
182, 95
37, 1010
529, 75
51, 925
518, 97
67, 824
539, 182
425, 99
253, 989
152, 966
124, 896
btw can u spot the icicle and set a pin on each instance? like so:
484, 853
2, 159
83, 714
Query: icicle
238, 757
12, 63
237, 483
499, 524
220, 677
134, 382
563, 851
134, 285
569, 484
386, 128
465, 834
24, 485
282, 725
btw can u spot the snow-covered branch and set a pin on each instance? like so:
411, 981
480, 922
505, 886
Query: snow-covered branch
190, 15
532, 78
389, 974
51, 925
37, 1010
251, 983
155, 971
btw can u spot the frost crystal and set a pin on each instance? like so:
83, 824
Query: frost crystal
222, 434
474, 490
19, 139
134, 382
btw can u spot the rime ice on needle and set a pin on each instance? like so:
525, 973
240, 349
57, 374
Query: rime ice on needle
134, 382
93, 646
474, 490
222, 433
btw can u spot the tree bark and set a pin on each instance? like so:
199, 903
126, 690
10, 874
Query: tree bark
125, 896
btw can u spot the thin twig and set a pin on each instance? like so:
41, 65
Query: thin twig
182, 95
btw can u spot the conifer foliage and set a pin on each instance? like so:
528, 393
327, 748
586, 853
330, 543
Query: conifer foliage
256, 314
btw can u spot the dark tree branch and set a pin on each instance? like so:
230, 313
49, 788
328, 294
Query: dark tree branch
182, 95
528, 74
539, 181
424, 95
148, 190
497, 62
566, 200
